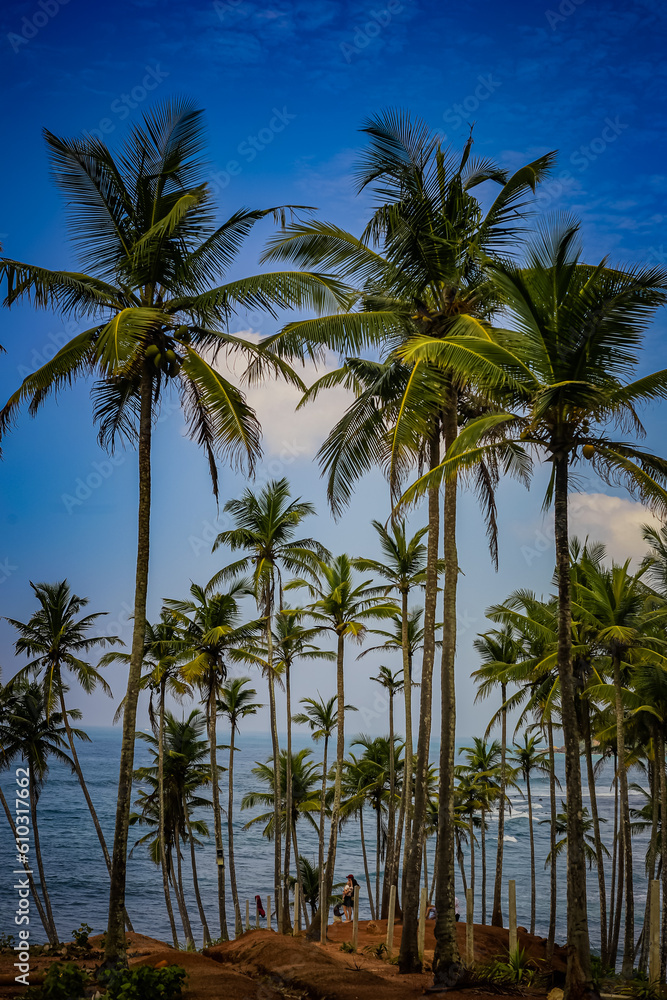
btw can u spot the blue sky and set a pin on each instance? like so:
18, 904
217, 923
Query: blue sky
286, 87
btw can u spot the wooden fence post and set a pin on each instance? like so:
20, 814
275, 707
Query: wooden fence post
355, 918
470, 940
247, 914
268, 913
512, 916
390, 921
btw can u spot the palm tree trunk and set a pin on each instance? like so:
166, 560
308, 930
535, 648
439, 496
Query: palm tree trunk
238, 922
483, 846
435, 872
323, 806
378, 842
446, 959
531, 832
277, 876
212, 712
369, 888
662, 765
425, 864
391, 821
654, 780
620, 879
53, 937
626, 840
409, 960
578, 978
185, 917
497, 913
84, 787
459, 855
314, 930
599, 854
26, 866
195, 884
472, 855
299, 879
553, 877
114, 950
612, 894
288, 790
161, 805
406, 796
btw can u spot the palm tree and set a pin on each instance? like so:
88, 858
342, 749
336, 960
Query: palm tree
531, 757
265, 527
211, 625
343, 607
498, 651
143, 222
403, 566
418, 267
484, 763
322, 718
562, 832
28, 730
57, 636
392, 683
565, 370
185, 773
236, 703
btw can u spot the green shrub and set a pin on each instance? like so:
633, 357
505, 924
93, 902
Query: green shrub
143, 982
348, 948
81, 936
64, 981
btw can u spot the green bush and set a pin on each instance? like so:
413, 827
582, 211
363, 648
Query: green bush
81, 936
64, 981
144, 983
348, 947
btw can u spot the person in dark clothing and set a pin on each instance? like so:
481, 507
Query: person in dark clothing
348, 896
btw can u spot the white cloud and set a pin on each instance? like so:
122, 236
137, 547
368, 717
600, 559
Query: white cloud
616, 521
275, 403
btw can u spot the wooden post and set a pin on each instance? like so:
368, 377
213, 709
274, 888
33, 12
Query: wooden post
247, 914
324, 913
512, 917
256, 916
470, 940
390, 921
355, 918
295, 926
268, 913
421, 931
654, 941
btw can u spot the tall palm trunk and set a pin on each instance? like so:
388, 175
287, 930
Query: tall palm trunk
275, 748
661, 764
599, 853
378, 842
195, 884
531, 833
497, 913
391, 820
578, 978
654, 784
238, 922
425, 864
369, 887
114, 950
612, 894
403, 826
553, 874
626, 839
459, 855
409, 960
446, 959
323, 805
212, 715
299, 879
616, 921
314, 930
53, 937
472, 854
483, 851
161, 817
84, 787
185, 916
28, 872
288, 790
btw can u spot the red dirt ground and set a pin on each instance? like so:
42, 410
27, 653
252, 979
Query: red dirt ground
260, 965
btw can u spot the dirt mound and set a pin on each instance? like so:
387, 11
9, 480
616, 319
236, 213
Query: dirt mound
206, 978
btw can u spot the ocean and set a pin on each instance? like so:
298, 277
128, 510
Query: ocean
78, 881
